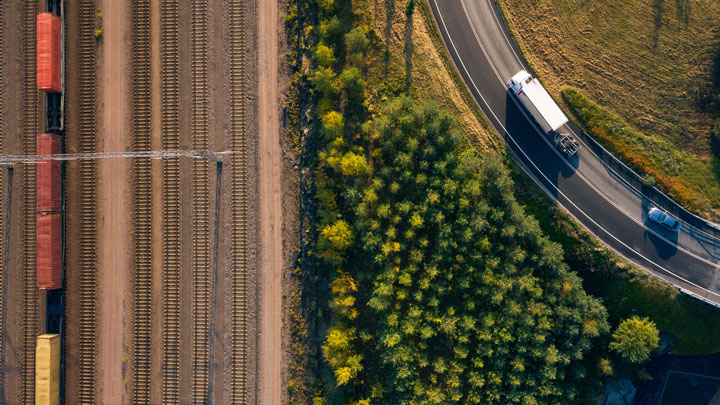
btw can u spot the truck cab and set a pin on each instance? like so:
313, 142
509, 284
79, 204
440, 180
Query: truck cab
520, 80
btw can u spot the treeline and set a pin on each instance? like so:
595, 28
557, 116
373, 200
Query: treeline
440, 288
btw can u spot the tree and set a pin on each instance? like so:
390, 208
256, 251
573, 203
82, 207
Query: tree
325, 81
353, 164
356, 42
409, 8
325, 56
327, 6
473, 304
333, 125
334, 239
339, 353
635, 338
353, 82
330, 31
338, 234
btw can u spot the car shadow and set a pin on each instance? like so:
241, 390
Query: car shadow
664, 240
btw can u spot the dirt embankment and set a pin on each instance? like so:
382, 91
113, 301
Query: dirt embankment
114, 203
271, 218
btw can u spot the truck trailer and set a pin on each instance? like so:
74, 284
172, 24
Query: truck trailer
544, 111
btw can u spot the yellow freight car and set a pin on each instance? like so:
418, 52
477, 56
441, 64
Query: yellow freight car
47, 370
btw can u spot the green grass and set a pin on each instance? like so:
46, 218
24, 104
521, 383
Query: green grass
625, 291
648, 60
692, 182
651, 62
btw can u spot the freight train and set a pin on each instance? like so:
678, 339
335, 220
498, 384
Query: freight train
49, 206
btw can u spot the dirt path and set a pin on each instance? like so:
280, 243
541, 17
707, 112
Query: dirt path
114, 256
270, 169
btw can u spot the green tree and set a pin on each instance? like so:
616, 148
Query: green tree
333, 125
339, 235
409, 8
328, 6
324, 56
356, 43
353, 82
338, 352
474, 304
330, 31
635, 338
353, 164
325, 81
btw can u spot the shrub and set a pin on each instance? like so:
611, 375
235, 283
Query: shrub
635, 338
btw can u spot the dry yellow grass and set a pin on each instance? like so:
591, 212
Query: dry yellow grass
646, 60
429, 78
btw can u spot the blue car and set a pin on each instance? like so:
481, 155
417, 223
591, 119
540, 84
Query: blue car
663, 219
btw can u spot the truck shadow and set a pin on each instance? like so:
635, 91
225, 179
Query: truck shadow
534, 149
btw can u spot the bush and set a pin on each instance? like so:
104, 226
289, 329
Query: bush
356, 42
324, 55
333, 125
635, 339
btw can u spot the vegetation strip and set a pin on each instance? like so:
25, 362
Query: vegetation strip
142, 202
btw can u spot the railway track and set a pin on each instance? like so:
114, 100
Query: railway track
4, 201
171, 201
88, 235
30, 130
238, 14
202, 298
142, 202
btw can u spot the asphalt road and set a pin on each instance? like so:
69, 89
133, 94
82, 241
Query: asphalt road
594, 188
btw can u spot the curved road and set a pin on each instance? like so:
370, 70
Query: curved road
594, 188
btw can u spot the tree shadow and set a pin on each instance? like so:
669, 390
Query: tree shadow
683, 11
408, 50
708, 95
716, 166
659, 11
389, 15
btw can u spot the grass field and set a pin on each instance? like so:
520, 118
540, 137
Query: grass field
654, 63
647, 60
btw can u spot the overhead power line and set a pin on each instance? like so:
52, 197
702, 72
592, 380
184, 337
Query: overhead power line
157, 154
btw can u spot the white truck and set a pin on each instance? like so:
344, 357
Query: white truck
544, 110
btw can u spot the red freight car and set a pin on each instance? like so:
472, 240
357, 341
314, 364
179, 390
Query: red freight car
49, 180
49, 54
48, 247
49, 250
